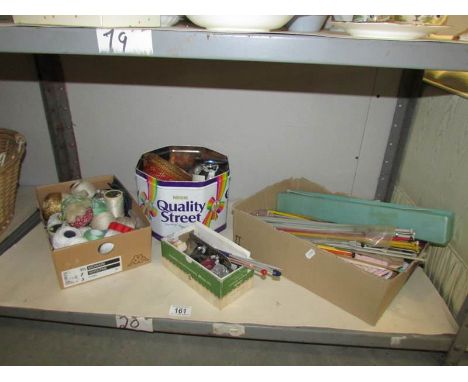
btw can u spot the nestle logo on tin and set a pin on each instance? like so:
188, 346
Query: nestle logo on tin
186, 212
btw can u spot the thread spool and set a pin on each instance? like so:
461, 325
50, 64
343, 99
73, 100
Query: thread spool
93, 234
84, 188
77, 211
102, 221
198, 178
115, 202
54, 223
83, 230
79, 216
51, 204
66, 236
128, 221
98, 203
111, 232
179, 244
116, 226
54, 219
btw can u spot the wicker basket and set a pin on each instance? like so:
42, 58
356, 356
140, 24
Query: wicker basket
12, 145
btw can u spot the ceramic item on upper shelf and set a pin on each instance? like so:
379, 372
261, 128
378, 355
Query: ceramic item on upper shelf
408, 19
309, 23
238, 23
342, 17
389, 31
371, 18
169, 20
421, 19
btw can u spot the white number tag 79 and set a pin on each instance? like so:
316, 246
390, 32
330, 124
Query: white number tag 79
130, 41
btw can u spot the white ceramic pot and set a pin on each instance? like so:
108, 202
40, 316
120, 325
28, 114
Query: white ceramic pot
313, 23
237, 23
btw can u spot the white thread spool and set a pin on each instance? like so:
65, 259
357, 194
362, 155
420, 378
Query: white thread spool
83, 230
93, 234
102, 221
127, 221
111, 232
180, 245
54, 223
115, 202
82, 186
66, 236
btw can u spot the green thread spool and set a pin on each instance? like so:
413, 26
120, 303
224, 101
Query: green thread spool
99, 205
93, 234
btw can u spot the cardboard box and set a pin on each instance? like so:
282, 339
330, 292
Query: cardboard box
360, 293
85, 262
218, 291
172, 205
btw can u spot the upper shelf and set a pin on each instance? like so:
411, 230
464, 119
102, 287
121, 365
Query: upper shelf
329, 49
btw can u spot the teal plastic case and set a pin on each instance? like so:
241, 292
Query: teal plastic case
432, 225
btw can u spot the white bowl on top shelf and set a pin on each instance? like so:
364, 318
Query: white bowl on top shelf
240, 23
307, 23
388, 30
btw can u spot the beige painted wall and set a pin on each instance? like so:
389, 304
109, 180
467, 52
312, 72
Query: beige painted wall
21, 109
274, 121
434, 174
435, 165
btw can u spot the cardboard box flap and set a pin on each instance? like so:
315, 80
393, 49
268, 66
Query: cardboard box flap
266, 199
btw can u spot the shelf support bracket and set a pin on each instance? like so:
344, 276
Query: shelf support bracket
58, 115
408, 93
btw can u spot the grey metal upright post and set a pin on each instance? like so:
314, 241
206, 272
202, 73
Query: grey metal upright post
59, 120
408, 93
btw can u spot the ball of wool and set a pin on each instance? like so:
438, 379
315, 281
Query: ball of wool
78, 215
52, 204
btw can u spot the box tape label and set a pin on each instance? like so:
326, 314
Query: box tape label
91, 271
232, 330
180, 311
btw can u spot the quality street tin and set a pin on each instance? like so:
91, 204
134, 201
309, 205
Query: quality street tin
180, 185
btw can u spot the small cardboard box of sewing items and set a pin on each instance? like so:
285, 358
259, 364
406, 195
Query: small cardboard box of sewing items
95, 229
217, 268
355, 253
180, 185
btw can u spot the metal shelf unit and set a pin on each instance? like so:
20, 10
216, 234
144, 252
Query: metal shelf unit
328, 49
185, 43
